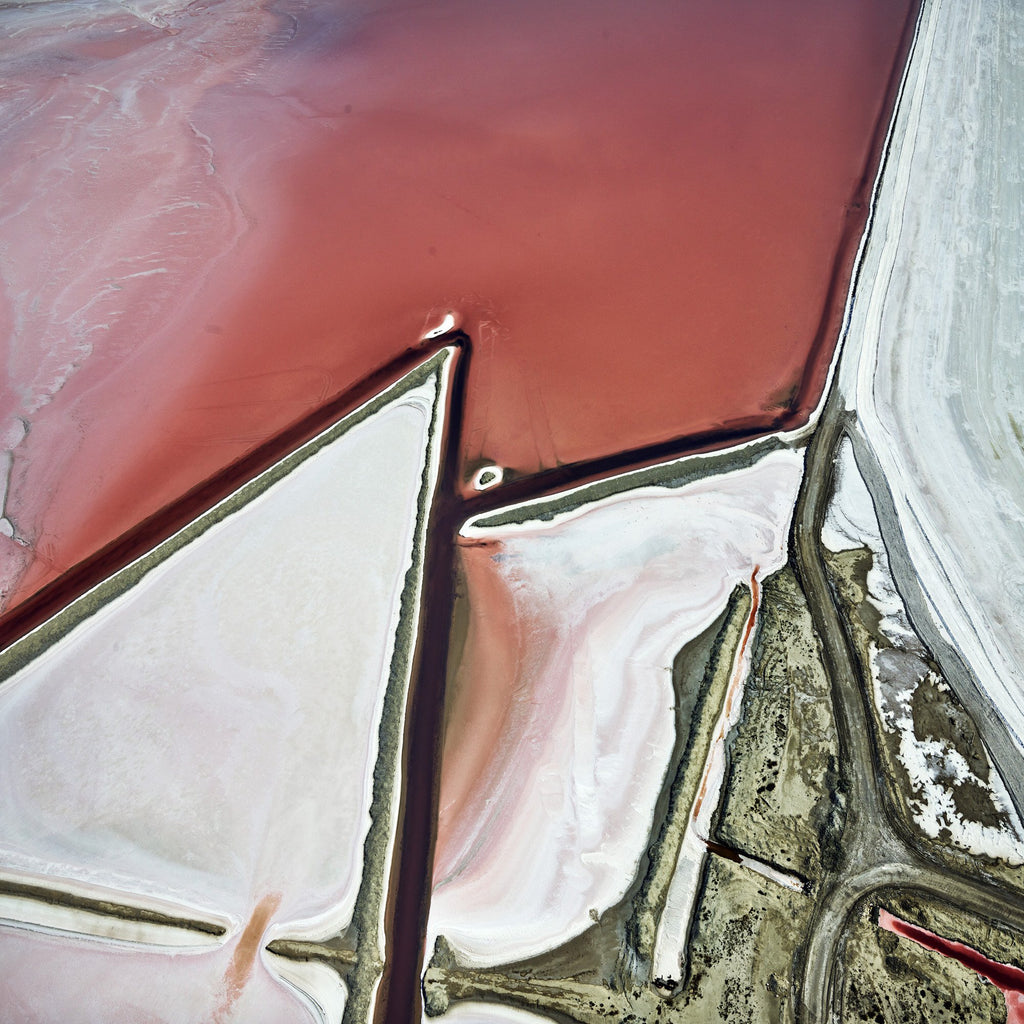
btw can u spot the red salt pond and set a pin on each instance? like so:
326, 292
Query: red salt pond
1010, 980
219, 217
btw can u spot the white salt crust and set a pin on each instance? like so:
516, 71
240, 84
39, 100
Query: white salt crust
208, 737
934, 357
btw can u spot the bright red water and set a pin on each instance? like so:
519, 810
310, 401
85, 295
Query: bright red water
1010, 980
219, 219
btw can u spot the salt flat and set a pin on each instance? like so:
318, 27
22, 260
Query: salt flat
934, 365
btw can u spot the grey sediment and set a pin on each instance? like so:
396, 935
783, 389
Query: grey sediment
332, 952
54, 895
368, 922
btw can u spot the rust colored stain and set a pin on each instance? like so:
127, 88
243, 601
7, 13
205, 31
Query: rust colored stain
245, 954
642, 215
1010, 980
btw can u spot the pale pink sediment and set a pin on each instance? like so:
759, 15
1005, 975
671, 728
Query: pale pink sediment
563, 722
48, 978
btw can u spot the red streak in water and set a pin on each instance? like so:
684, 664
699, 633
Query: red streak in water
1010, 980
644, 216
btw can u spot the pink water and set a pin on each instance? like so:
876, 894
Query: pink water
219, 217
1010, 980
